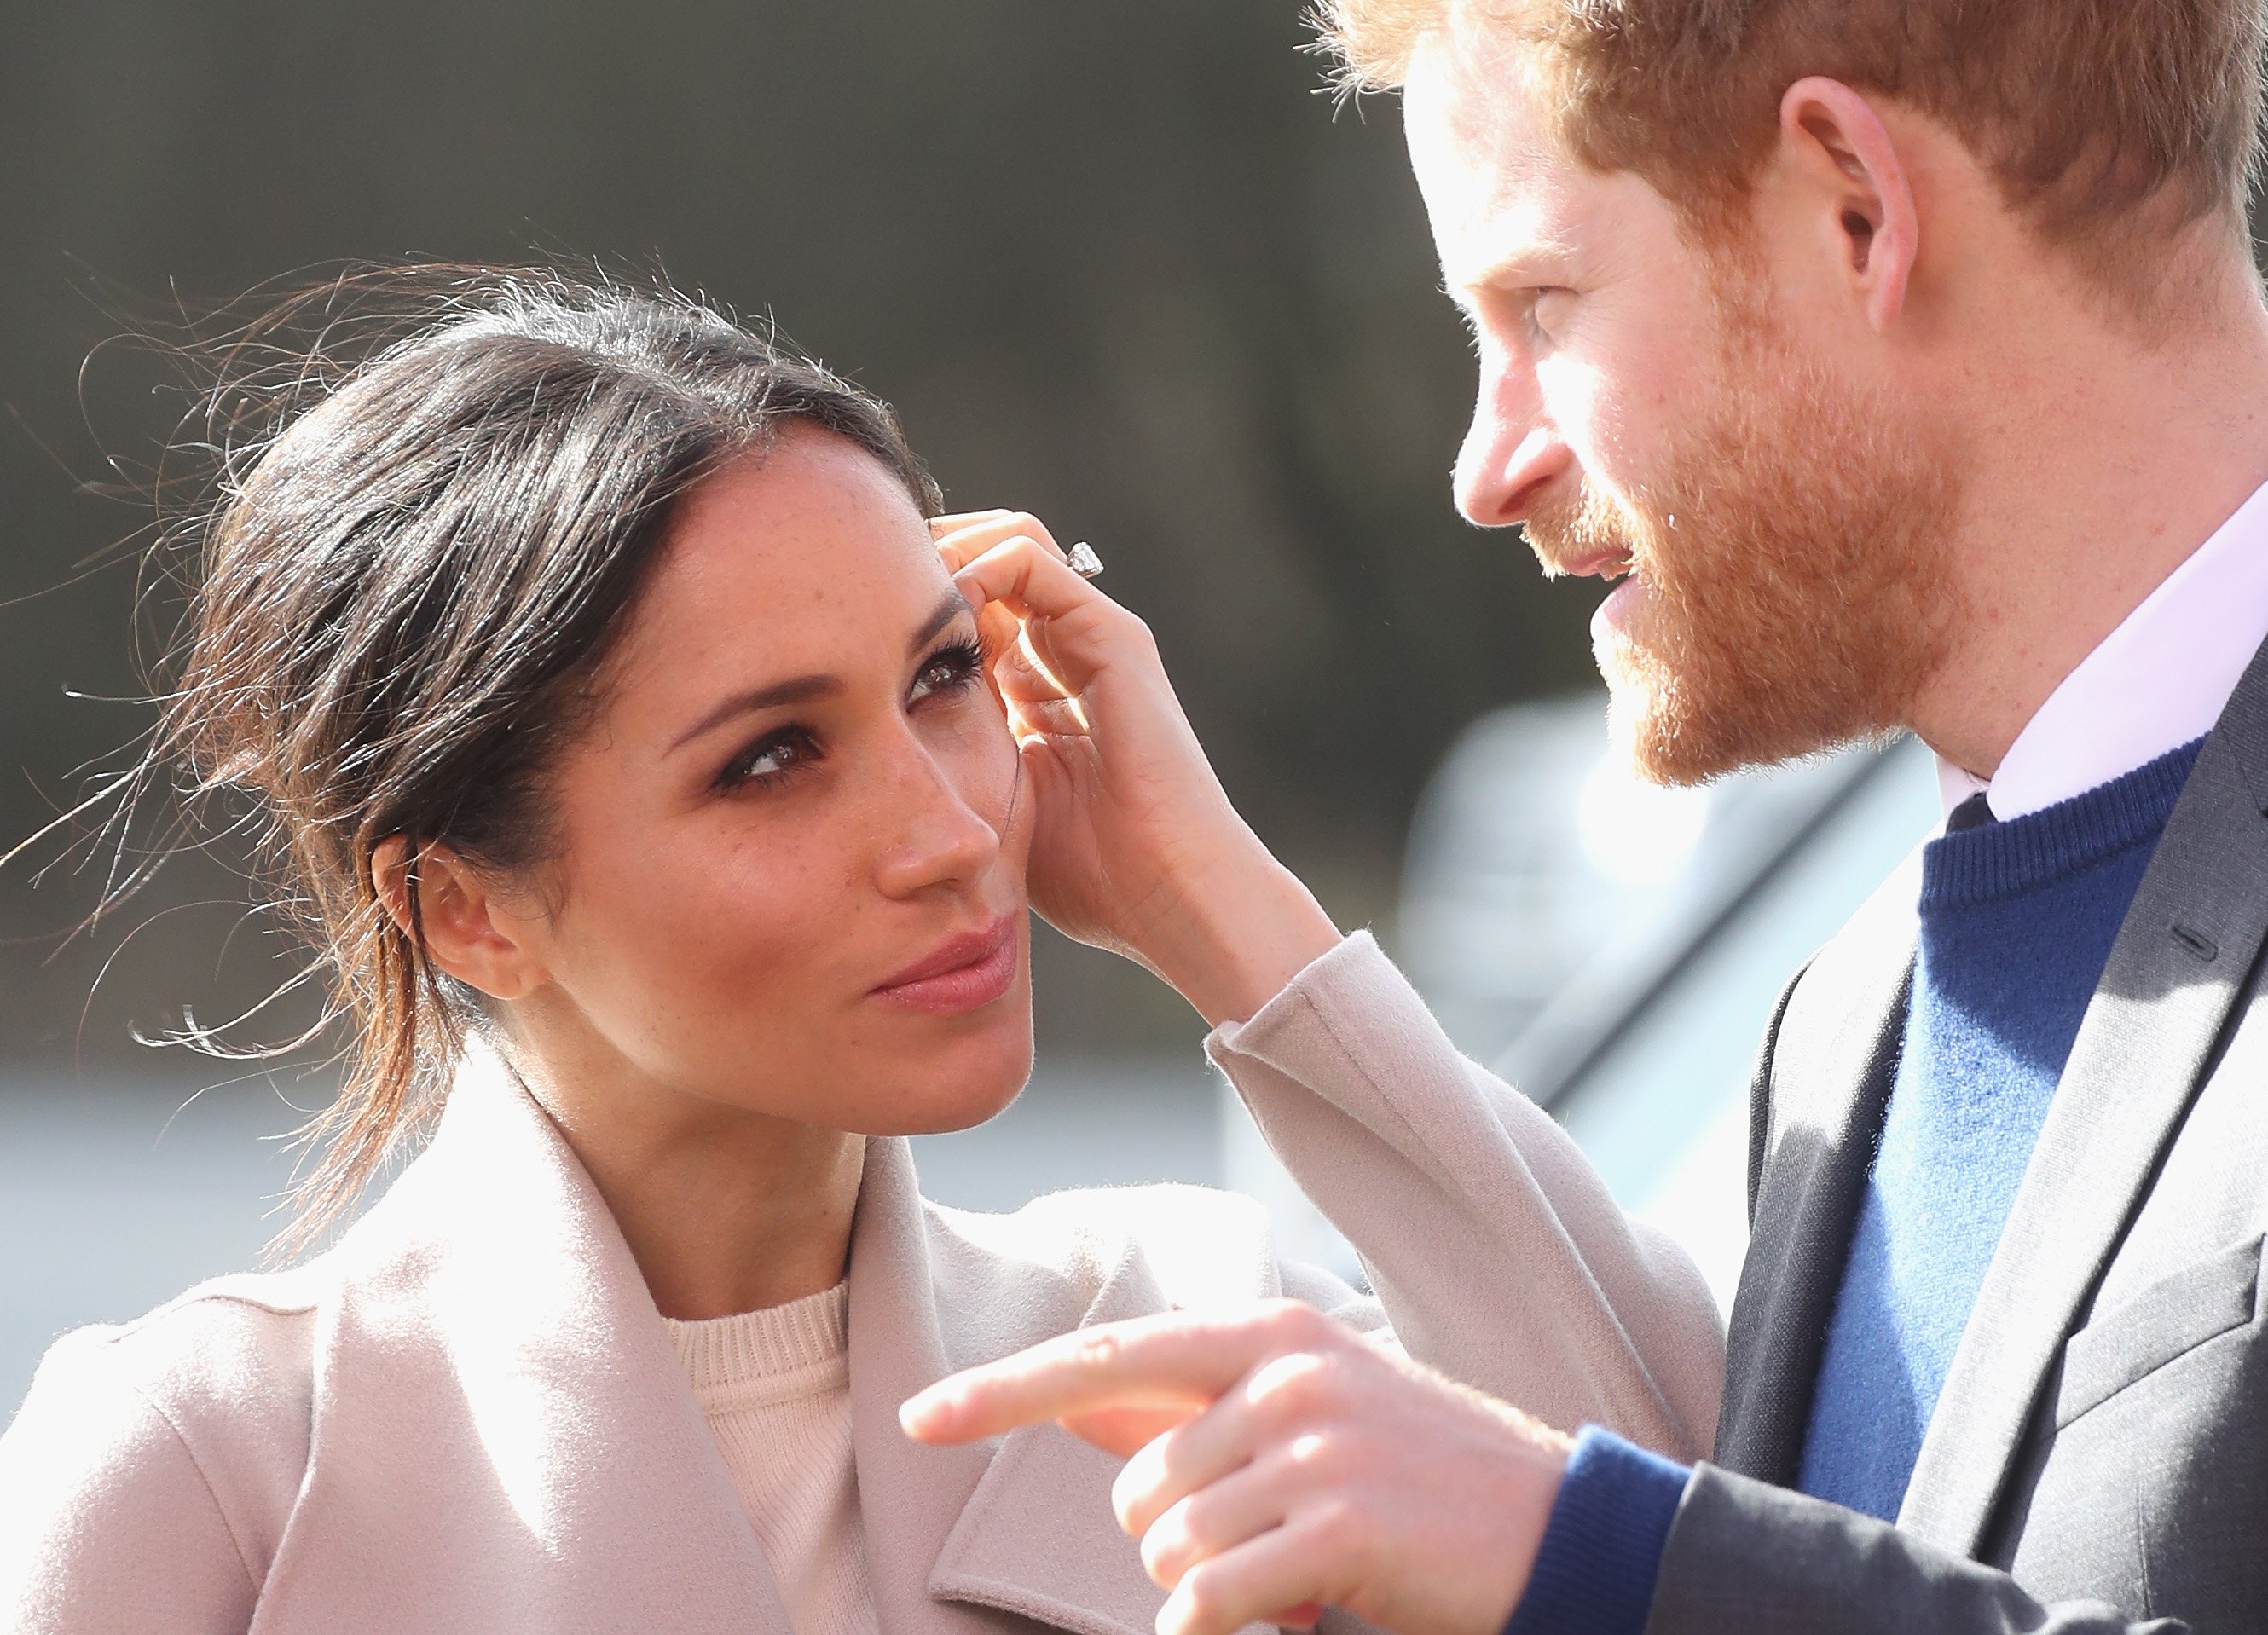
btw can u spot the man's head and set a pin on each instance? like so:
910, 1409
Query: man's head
1735, 270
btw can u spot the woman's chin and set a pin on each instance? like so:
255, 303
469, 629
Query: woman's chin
964, 1085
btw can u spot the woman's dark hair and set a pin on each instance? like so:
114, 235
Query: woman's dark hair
409, 584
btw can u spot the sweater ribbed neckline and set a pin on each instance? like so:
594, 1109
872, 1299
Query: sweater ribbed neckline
780, 1352
2004, 859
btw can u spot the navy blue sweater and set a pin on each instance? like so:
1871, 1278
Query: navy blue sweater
2017, 921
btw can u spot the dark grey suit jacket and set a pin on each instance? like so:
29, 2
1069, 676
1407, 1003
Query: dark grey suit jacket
2099, 1455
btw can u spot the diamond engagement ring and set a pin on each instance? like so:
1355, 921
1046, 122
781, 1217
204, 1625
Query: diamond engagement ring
1084, 561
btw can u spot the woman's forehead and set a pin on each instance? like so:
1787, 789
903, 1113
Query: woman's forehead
810, 556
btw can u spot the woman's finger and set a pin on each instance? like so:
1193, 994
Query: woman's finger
955, 536
1020, 667
953, 522
1031, 580
963, 545
1049, 718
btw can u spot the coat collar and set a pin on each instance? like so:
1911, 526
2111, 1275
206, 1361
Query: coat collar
496, 1400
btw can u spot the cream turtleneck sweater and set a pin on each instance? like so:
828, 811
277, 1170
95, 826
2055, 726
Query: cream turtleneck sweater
775, 1386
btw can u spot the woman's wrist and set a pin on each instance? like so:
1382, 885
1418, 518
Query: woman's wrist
1236, 937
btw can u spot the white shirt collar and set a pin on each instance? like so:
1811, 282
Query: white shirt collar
2160, 680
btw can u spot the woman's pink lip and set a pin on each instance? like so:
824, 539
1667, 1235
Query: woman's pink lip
967, 973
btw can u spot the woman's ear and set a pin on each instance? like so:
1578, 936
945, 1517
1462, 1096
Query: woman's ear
470, 933
1844, 153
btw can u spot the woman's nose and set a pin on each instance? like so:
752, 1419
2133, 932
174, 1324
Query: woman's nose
939, 838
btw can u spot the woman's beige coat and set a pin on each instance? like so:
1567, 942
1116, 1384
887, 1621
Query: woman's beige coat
467, 1416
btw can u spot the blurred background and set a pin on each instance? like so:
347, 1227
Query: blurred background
1134, 271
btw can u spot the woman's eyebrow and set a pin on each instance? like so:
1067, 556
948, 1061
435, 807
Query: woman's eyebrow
943, 614
795, 691
803, 688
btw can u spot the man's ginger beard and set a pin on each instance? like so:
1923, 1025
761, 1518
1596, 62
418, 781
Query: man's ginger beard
1798, 589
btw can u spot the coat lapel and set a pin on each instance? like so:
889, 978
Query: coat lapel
503, 1438
1022, 1525
1829, 1069
909, 1495
1039, 1537
2185, 951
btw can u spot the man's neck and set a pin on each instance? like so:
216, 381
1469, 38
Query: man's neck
2101, 461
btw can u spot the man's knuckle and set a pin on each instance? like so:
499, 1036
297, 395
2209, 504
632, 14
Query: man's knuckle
1316, 1455
1286, 1393
1099, 1348
1325, 1382
1200, 1524
1340, 1524
1204, 1590
1164, 1557
1311, 1328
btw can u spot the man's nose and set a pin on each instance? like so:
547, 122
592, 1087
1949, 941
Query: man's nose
1504, 464
937, 838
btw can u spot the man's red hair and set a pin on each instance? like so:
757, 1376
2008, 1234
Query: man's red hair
2110, 124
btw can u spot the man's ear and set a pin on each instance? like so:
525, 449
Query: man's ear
470, 933
1838, 146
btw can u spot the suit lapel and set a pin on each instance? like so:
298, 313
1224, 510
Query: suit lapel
1829, 1069
2186, 949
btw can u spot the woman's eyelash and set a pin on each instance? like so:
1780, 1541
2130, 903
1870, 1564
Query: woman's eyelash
961, 661
954, 667
794, 742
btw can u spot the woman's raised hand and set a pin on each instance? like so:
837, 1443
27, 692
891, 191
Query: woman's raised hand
1134, 845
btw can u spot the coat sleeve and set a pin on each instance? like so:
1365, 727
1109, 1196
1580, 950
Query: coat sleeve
107, 1526
1497, 1253
1743, 1555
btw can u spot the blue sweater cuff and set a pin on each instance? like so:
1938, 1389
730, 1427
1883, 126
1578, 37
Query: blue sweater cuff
1602, 1545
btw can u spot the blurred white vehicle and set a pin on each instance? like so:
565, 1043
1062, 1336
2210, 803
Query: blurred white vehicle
1614, 949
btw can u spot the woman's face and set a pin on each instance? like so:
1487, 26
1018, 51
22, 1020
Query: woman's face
791, 872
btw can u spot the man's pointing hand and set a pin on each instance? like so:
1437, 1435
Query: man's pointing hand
1279, 1460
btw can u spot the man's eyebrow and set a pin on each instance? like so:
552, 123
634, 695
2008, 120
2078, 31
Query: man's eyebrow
803, 688
1512, 262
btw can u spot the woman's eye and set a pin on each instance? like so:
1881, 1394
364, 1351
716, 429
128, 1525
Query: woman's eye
950, 670
769, 759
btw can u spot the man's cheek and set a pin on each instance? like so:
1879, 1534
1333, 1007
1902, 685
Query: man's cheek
1591, 408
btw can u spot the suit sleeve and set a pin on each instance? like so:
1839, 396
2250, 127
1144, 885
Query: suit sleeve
1744, 1555
107, 1524
1495, 1249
